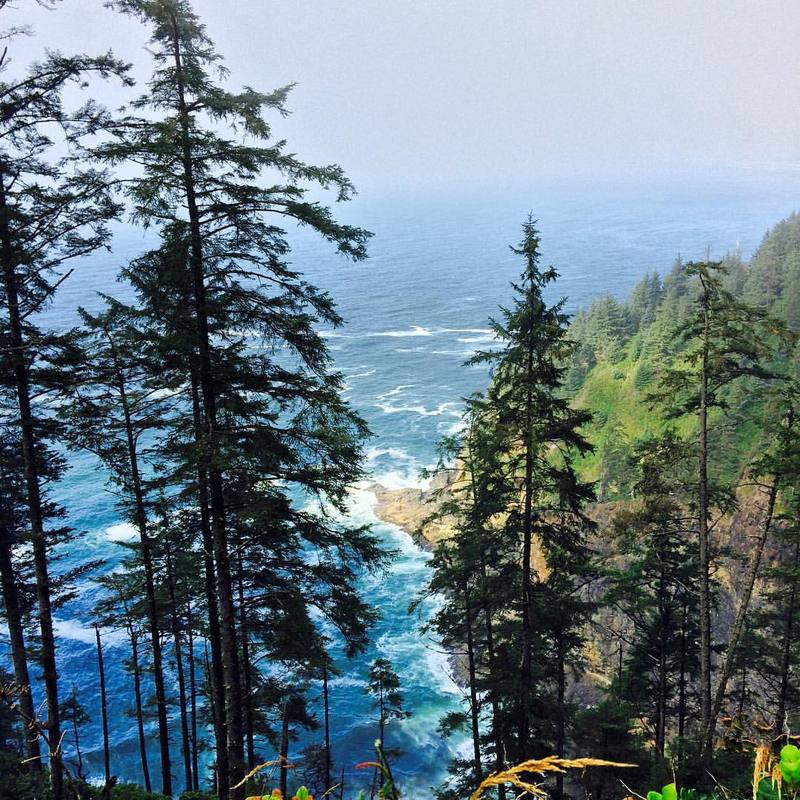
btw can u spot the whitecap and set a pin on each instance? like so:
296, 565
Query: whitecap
364, 374
485, 338
395, 479
121, 532
76, 631
449, 407
374, 453
397, 390
415, 330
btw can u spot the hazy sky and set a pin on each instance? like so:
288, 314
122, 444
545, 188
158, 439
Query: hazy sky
454, 90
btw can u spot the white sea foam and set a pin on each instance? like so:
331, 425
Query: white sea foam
397, 390
374, 453
448, 407
76, 631
482, 339
121, 532
364, 374
452, 428
415, 330
402, 479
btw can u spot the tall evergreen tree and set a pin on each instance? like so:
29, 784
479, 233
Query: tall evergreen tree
51, 212
652, 590
717, 344
383, 686
115, 412
263, 410
540, 434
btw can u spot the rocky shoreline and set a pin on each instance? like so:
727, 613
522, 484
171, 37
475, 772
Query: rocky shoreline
410, 509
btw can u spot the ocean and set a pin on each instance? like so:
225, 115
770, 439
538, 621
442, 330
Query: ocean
439, 267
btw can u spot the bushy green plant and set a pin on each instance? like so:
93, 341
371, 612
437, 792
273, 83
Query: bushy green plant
19, 782
194, 795
132, 791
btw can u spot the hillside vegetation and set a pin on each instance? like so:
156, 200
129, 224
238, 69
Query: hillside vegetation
623, 347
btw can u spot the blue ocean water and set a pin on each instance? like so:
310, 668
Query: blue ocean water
439, 266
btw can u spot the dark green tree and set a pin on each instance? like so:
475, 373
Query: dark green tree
263, 408
539, 433
721, 341
74, 714
114, 412
52, 211
652, 590
383, 686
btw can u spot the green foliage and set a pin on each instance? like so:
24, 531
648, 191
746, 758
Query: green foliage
192, 795
790, 765
132, 791
19, 782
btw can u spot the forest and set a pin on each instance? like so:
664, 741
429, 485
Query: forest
619, 582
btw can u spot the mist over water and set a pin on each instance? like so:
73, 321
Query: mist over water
439, 266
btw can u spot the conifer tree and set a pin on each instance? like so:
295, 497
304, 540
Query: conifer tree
717, 344
15, 605
540, 433
266, 410
777, 470
383, 686
652, 590
113, 412
469, 504
120, 609
51, 213
72, 713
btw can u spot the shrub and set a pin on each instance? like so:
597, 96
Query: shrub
20, 782
132, 791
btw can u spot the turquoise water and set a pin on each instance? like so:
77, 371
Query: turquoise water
416, 310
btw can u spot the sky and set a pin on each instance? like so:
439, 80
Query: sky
450, 92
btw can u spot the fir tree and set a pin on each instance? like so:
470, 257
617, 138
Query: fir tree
539, 433
717, 344
263, 410
652, 590
51, 213
383, 686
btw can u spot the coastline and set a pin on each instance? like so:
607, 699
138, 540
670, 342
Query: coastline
409, 509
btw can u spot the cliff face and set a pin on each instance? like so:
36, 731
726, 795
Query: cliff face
409, 508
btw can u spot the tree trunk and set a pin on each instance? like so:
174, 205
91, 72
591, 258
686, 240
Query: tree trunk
661, 702
104, 714
247, 689
176, 640
284, 754
561, 694
78, 754
215, 676
683, 670
786, 650
703, 541
192, 698
499, 749
527, 537
19, 656
326, 706
227, 614
137, 692
149, 582
19, 357
473, 689
754, 562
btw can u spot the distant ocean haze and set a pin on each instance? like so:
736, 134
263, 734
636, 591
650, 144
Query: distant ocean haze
415, 311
